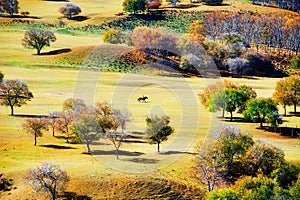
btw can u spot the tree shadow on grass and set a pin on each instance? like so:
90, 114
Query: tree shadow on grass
54, 146
283, 131
56, 52
79, 18
30, 116
234, 119
143, 160
113, 152
20, 16
176, 152
73, 196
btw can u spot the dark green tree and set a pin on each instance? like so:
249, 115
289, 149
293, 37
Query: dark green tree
261, 109
158, 129
1, 76
134, 6
286, 175
38, 39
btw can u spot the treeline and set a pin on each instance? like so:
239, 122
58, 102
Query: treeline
293, 5
264, 31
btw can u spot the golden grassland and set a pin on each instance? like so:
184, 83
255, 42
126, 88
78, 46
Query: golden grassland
51, 85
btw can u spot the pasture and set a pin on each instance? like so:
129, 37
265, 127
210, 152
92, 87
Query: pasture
52, 79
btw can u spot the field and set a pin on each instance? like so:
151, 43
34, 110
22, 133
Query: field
140, 170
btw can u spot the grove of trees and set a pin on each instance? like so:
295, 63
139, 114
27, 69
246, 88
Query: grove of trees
257, 170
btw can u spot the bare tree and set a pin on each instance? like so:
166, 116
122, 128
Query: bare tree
14, 93
48, 178
53, 115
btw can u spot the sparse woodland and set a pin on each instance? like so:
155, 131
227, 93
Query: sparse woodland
150, 99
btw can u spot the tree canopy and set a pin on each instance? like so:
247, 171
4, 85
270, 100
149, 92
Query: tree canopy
9, 6
69, 10
134, 6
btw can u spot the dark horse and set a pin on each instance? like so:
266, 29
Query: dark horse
142, 99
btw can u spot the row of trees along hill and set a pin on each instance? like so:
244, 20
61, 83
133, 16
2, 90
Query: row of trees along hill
227, 96
252, 169
293, 5
87, 124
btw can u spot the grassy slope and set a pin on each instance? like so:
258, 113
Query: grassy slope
52, 86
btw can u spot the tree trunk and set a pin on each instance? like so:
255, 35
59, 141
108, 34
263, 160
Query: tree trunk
284, 107
295, 108
117, 151
53, 131
231, 116
88, 147
38, 51
223, 112
11, 110
261, 124
34, 139
158, 146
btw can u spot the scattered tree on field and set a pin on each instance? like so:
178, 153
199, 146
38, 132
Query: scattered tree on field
261, 110
69, 10
52, 121
87, 127
134, 6
14, 93
9, 6
293, 86
75, 105
115, 136
48, 178
282, 94
35, 126
38, 39
65, 122
158, 129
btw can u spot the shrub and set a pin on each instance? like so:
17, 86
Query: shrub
134, 6
295, 62
113, 36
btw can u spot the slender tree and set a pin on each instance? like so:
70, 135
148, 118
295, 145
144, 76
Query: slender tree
35, 126
158, 129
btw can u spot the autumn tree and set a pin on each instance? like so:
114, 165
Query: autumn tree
72, 104
35, 127
65, 123
134, 6
158, 129
9, 6
38, 39
48, 178
154, 41
87, 127
282, 94
293, 86
69, 10
53, 115
14, 93
261, 110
